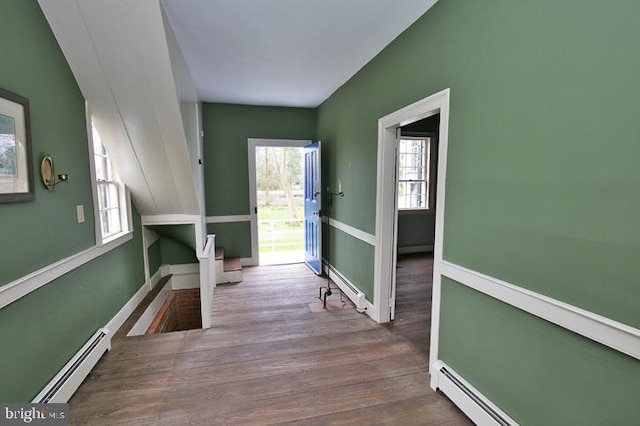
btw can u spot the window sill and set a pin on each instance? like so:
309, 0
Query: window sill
116, 240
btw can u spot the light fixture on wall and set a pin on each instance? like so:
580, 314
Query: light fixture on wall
47, 171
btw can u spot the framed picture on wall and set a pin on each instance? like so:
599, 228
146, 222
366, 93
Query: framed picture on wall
16, 167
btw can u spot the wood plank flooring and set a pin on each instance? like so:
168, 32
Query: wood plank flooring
268, 359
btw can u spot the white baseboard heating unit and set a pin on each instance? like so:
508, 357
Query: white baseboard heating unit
475, 405
70, 377
353, 293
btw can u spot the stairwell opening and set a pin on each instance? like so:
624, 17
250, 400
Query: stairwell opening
181, 311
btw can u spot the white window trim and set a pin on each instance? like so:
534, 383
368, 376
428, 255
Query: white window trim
124, 196
429, 180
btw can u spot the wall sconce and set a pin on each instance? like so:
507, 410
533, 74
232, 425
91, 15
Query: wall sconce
47, 172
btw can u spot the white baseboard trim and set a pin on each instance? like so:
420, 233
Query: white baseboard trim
155, 279
150, 236
246, 261
145, 320
415, 249
606, 331
19, 288
116, 322
165, 270
474, 404
184, 276
229, 219
181, 269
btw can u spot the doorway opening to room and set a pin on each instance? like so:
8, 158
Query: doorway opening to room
416, 170
390, 132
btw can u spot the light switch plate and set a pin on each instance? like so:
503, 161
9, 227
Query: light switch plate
80, 212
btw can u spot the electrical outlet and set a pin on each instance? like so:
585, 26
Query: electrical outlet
80, 213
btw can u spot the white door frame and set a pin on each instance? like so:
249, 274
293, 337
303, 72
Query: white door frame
253, 186
386, 232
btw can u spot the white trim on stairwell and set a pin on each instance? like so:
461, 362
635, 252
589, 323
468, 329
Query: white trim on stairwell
170, 219
118, 319
184, 276
145, 320
180, 219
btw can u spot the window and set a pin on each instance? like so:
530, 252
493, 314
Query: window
109, 192
413, 172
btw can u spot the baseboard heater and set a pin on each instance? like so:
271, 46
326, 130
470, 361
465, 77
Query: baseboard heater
70, 377
353, 293
479, 409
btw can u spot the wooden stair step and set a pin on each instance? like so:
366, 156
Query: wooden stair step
219, 253
232, 264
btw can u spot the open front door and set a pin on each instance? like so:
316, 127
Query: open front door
312, 206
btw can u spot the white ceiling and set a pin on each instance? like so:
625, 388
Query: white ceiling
283, 52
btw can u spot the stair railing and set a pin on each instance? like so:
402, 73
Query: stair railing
207, 279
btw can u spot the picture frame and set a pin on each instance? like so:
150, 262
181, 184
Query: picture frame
16, 165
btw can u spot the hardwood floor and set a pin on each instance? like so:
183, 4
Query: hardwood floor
270, 359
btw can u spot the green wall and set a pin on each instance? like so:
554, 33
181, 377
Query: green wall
226, 130
40, 232
416, 229
155, 257
542, 181
352, 257
174, 252
41, 331
543, 373
235, 238
185, 234
177, 245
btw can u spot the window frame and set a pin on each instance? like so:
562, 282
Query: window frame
430, 161
123, 195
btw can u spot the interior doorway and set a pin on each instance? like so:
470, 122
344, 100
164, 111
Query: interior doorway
385, 257
276, 169
386, 198
416, 192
